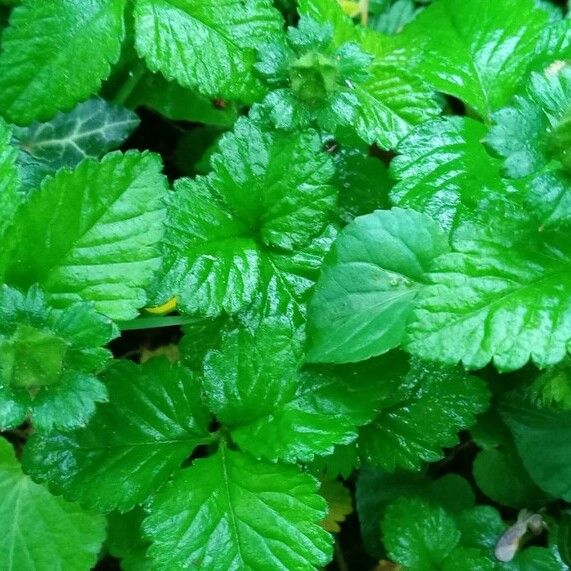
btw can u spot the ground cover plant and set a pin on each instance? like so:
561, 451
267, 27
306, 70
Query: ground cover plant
285, 285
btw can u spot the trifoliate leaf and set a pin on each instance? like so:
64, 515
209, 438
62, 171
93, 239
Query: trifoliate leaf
254, 386
180, 104
152, 423
477, 51
311, 80
542, 439
41, 532
112, 212
441, 165
56, 54
417, 534
89, 130
368, 285
230, 511
173, 36
501, 296
338, 499
534, 137
49, 361
9, 179
418, 425
268, 195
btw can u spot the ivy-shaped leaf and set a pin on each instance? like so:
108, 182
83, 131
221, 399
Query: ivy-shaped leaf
89, 130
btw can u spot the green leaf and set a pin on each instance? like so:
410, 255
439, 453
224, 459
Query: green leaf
112, 212
536, 559
417, 534
268, 195
553, 387
482, 527
287, 279
89, 130
533, 136
342, 462
49, 361
442, 165
501, 475
230, 511
125, 540
498, 469
56, 54
327, 12
273, 410
311, 80
501, 296
251, 371
172, 37
42, 532
9, 179
478, 51
368, 285
542, 439
394, 17
363, 183
463, 558
418, 424
152, 423
564, 538
180, 104
377, 488
391, 103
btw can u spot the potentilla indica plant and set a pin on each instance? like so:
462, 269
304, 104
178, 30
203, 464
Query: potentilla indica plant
285, 285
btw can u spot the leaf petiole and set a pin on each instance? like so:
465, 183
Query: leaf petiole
157, 322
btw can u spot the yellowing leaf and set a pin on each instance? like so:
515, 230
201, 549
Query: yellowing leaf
171, 352
163, 309
351, 7
340, 505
